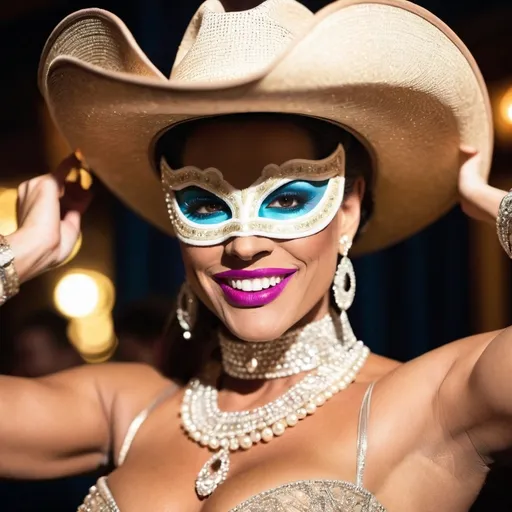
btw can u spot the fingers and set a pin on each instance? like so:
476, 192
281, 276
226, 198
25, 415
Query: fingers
75, 198
468, 154
76, 183
71, 224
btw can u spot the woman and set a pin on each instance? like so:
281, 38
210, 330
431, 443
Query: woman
281, 138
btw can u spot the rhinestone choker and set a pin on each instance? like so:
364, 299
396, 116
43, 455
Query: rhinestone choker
299, 350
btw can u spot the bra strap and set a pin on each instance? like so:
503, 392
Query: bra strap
362, 435
139, 420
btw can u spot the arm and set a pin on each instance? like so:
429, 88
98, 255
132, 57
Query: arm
53, 426
65, 423
476, 395
69, 422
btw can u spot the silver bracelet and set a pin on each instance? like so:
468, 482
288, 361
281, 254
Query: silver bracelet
8, 275
504, 222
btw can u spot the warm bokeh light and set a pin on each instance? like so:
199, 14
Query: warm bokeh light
93, 336
81, 293
509, 114
8, 198
506, 107
77, 295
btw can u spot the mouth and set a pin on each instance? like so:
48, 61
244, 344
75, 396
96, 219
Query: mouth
253, 288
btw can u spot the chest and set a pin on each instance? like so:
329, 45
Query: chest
163, 463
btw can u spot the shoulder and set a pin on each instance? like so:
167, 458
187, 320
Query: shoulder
128, 385
125, 390
440, 362
434, 383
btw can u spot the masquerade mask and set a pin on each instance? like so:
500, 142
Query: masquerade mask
293, 200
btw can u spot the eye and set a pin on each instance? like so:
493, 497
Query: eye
205, 208
202, 206
288, 200
294, 199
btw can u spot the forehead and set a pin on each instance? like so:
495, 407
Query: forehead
241, 148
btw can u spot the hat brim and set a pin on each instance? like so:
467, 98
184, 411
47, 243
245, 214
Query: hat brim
386, 70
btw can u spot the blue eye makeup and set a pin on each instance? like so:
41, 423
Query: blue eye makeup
292, 200
201, 206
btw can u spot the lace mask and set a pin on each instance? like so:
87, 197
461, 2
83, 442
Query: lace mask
293, 200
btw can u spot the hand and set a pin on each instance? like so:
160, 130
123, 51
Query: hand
49, 212
478, 199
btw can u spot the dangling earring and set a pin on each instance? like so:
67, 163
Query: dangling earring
186, 310
344, 288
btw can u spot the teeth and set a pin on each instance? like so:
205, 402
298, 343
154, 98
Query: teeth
254, 285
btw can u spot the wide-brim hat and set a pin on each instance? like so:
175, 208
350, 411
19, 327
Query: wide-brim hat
388, 71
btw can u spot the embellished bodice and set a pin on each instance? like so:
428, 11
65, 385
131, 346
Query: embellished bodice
300, 496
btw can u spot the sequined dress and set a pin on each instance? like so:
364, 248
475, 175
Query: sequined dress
300, 496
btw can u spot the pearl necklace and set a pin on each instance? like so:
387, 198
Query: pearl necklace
223, 432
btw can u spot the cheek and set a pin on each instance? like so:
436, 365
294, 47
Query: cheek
319, 254
200, 263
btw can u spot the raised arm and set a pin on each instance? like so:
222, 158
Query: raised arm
476, 396
68, 422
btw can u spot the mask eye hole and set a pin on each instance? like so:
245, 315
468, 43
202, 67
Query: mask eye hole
201, 206
294, 199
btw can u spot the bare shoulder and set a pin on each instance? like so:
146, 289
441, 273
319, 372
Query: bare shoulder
378, 367
442, 370
126, 389
128, 386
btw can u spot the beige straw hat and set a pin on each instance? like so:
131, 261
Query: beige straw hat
386, 70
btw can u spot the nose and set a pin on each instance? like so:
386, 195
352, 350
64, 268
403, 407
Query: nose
247, 248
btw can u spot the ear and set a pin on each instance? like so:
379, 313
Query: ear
350, 211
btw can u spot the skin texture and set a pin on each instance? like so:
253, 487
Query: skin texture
304, 298
434, 421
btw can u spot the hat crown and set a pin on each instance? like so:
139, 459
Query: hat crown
220, 45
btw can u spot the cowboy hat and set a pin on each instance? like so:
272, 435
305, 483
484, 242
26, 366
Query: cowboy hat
387, 71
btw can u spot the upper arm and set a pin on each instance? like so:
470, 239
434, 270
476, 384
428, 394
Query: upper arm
65, 423
476, 395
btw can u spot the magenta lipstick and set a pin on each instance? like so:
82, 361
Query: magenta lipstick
263, 279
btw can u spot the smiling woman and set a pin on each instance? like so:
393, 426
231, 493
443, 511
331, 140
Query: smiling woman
281, 139
224, 149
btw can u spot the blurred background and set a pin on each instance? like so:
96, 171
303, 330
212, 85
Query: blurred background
114, 298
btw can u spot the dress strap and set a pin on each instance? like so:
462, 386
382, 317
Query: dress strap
362, 435
140, 419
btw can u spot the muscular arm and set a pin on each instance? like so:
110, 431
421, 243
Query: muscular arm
67, 423
476, 396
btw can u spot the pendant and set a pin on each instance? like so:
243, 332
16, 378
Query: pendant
213, 473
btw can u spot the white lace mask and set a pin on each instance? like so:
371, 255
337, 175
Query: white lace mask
293, 200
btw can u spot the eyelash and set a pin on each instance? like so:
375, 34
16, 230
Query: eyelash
302, 200
192, 206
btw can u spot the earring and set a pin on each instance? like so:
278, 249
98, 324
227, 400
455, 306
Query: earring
186, 310
344, 288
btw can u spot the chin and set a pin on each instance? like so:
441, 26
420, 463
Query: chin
264, 323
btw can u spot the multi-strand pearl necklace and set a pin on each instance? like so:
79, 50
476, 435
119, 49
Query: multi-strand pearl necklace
222, 432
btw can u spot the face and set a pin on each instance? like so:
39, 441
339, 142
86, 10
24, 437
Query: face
261, 286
